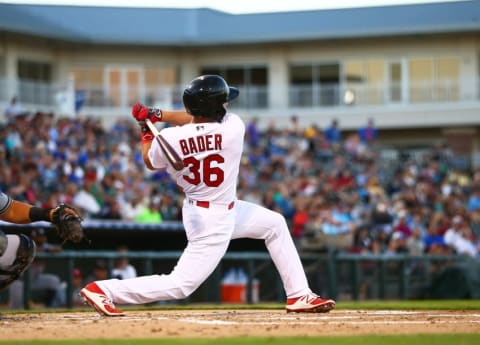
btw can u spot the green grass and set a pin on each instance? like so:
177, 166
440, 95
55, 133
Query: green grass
368, 305
349, 305
413, 305
421, 339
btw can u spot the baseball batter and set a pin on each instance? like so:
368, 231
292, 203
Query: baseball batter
210, 142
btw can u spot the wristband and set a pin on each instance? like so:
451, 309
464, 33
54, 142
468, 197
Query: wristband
37, 214
147, 137
156, 114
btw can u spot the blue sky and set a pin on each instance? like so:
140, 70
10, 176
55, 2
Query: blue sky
232, 6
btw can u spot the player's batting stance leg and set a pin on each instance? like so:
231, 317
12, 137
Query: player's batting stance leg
254, 221
205, 250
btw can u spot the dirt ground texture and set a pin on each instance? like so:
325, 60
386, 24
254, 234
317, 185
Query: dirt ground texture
227, 323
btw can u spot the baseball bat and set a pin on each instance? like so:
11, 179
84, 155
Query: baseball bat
167, 149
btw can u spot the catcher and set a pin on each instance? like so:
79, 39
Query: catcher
17, 251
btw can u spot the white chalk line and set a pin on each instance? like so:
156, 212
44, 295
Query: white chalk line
376, 322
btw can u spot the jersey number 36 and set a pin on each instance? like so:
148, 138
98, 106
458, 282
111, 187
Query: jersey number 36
203, 170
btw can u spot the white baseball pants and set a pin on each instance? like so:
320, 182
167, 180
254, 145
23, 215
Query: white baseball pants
209, 231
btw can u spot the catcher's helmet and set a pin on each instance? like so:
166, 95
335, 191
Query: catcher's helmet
207, 96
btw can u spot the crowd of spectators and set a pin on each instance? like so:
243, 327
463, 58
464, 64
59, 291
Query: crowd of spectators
326, 182
337, 189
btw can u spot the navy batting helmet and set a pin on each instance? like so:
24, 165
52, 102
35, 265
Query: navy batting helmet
207, 96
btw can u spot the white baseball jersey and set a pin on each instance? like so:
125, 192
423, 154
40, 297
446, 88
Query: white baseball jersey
211, 153
212, 216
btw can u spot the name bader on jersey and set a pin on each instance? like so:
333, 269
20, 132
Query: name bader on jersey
201, 143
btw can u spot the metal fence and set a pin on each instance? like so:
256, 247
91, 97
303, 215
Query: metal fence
339, 275
399, 276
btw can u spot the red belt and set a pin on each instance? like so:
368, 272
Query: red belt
206, 204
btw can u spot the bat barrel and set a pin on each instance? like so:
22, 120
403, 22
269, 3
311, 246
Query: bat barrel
172, 155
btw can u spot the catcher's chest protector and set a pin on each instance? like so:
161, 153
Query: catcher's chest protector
18, 255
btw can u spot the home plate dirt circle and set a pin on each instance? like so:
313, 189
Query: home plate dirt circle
227, 323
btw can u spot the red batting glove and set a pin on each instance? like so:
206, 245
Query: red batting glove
141, 113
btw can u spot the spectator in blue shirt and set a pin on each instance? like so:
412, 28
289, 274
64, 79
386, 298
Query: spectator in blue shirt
368, 133
332, 133
474, 200
252, 133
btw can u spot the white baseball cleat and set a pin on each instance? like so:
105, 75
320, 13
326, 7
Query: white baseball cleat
93, 295
309, 303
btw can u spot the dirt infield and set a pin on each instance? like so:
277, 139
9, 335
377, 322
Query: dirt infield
225, 323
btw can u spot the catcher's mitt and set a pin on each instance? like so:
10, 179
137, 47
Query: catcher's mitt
68, 223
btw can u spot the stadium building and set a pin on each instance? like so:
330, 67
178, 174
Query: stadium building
414, 69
